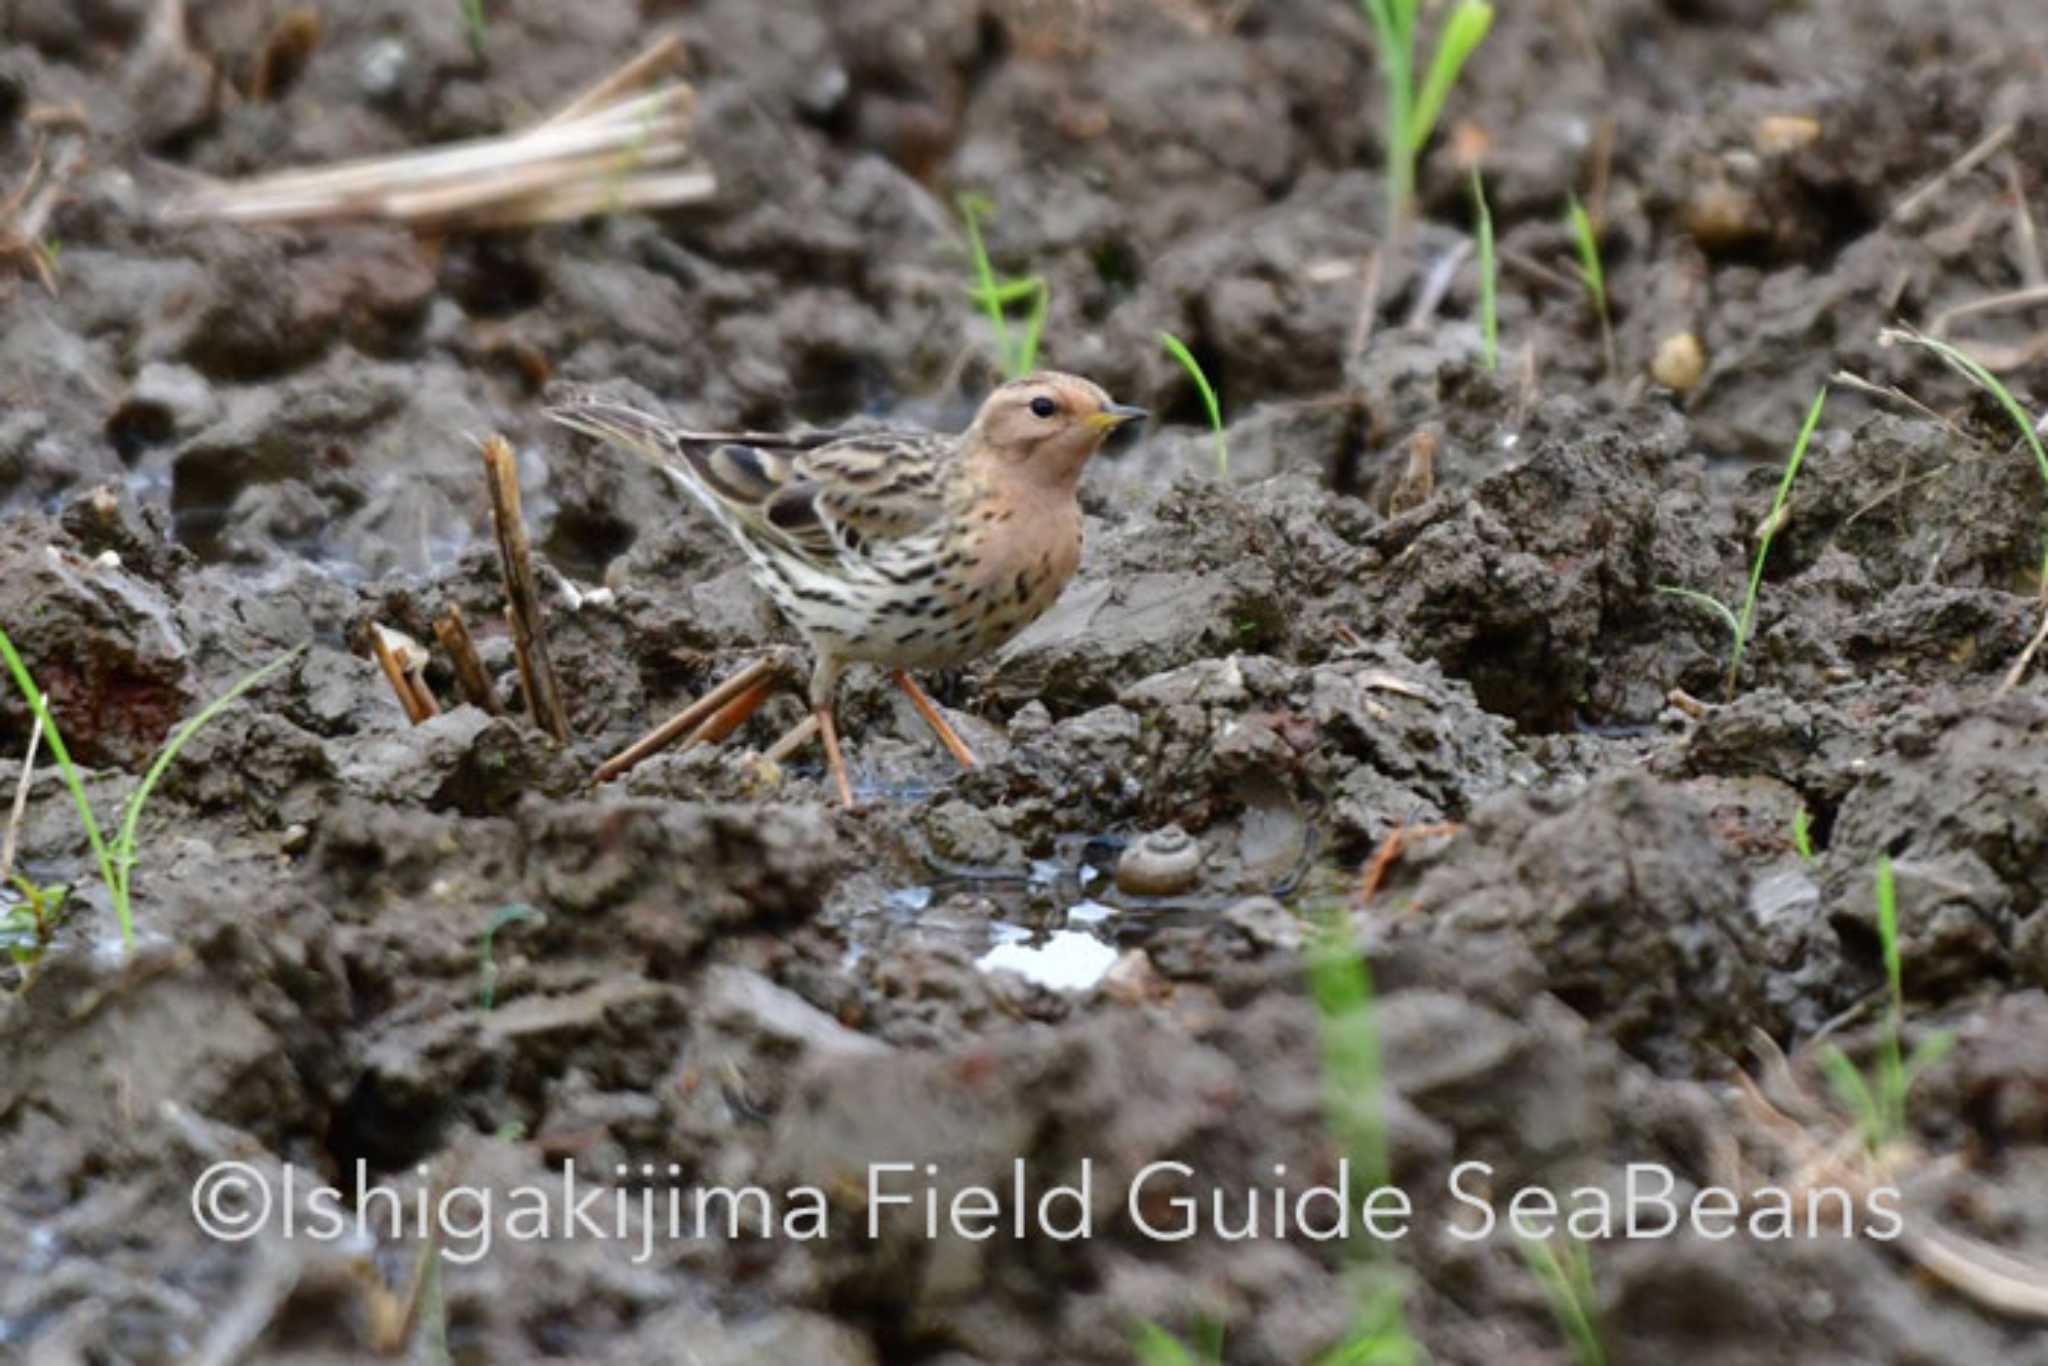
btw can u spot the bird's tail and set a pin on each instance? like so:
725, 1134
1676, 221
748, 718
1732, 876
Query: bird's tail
643, 433
731, 473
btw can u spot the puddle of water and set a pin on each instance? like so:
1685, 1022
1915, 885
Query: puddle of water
1066, 960
1089, 913
909, 900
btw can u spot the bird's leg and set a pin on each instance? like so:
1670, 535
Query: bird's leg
932, 718
730, 703
830, 735
825, 682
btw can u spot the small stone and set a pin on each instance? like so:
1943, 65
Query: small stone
1679, 362
1722, 217
1032, 722
1133, 981
1777, 134
1266, 923
382, 69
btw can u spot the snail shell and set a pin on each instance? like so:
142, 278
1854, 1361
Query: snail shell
1163, 863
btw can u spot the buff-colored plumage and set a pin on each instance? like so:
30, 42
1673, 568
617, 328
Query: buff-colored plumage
909, 550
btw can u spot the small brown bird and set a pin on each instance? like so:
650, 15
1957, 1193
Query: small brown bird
910, 550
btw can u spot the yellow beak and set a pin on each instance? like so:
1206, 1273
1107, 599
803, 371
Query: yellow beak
1116, 415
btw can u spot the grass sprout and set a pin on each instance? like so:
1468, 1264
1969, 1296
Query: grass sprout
1340, 983
1593, 275
1879, 1102
487, 964
28, 928
1802, 833
1740, 624
1412, 112
117, 858
1179, 351
474, 20
1379, 1328
1970, 368
1354, 1084
1708, 602
1489, 276
1155, 1346
1017, 355
1567, 1281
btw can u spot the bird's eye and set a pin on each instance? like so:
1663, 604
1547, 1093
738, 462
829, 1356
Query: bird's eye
1043, 407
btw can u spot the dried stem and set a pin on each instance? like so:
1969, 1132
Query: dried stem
453, 633
522, 593
1940, 323
695, 720
2026, 242
2026, 659
607, 150
663, 52
419, 705
20, 811
798, 735
1370, 281
1962, 166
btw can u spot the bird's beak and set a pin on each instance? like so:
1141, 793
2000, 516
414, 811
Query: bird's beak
1116, 415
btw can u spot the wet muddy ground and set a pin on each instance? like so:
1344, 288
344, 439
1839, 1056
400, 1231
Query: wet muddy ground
435, 955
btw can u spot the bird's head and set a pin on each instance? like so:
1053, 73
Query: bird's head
1044, 427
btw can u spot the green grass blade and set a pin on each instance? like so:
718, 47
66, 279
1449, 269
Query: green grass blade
124, 843
1464, 31
1887, 893
1587, 242
973, 208
1393, 24
1927, 1053
1179, 351
1854, 1092
1379, 1328
1771, 525
487, 965
1008, 292
1341, 986
1711, 603
1404, 13
1157, 1347
1489, 277
72, 780
1969, 368
1034, 327
1568, 1286
1891, 1068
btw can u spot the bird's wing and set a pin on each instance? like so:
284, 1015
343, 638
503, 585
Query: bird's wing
824, 494
871, 487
